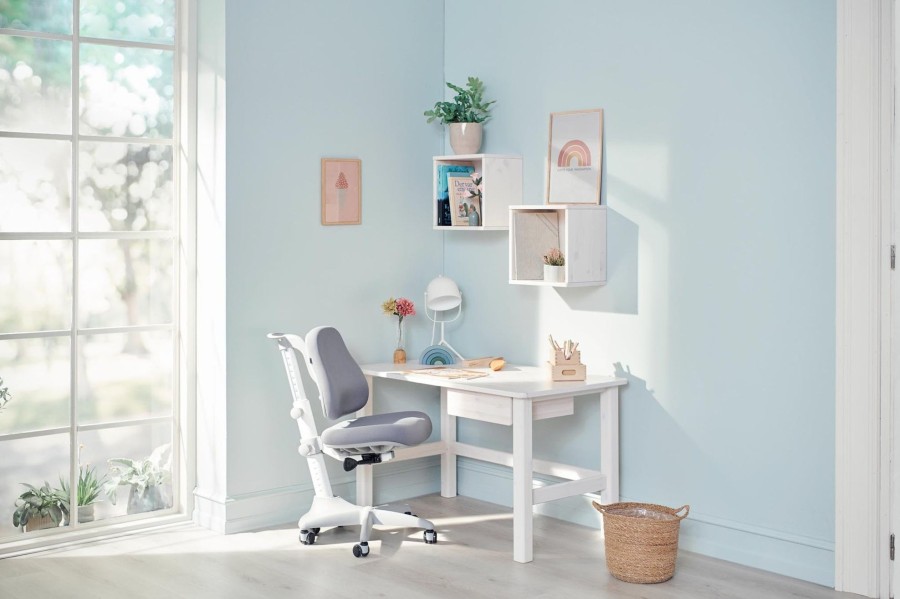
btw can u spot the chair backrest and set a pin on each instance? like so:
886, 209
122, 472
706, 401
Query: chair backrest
342, 385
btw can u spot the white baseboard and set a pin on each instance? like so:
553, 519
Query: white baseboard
776, 551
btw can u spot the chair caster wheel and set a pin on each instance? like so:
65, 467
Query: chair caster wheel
430, 537
308, 537
361, 550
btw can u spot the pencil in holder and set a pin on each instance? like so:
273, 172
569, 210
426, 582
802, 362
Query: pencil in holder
567, 369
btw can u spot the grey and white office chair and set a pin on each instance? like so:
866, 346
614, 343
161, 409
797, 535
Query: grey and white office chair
343, 390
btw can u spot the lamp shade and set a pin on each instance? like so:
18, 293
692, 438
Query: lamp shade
442, 294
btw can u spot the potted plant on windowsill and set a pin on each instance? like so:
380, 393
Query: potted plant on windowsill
87, 492
5, 395
40, 507
149, 480
465, 115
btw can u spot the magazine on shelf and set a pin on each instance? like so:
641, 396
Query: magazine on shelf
465, 209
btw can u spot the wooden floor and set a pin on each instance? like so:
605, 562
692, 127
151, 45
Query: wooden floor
473, 558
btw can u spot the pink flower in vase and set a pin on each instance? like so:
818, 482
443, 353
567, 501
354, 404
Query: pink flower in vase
401, 308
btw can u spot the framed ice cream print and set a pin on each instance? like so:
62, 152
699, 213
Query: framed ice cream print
341, 191
575, 157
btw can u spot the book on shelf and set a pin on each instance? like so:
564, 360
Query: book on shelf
465, 206
535, 234
443, 170
443, 213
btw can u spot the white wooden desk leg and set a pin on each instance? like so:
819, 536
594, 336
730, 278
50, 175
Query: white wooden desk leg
609, 444
523, 497
364, 485
448, 458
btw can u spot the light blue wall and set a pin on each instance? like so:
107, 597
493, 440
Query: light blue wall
308, 80
719, 173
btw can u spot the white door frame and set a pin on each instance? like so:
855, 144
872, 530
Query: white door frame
865, 87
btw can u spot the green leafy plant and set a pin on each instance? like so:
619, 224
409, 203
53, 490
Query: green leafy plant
38, 503
89, 486
554, 257
152, 471
5, 395
468, 105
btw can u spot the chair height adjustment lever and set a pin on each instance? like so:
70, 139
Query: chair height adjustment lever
366, 458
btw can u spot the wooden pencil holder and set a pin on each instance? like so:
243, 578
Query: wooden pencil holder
571, 369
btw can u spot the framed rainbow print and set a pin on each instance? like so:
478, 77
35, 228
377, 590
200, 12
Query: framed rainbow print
575, 157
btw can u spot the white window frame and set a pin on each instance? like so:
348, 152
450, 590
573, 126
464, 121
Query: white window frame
183, 234
865, 123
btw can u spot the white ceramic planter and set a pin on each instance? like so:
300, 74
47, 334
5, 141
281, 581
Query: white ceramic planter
465, 138
554, 274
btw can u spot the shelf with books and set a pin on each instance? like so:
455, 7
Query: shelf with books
578, 231
454, 208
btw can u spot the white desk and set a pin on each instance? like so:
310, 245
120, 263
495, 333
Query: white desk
515, 396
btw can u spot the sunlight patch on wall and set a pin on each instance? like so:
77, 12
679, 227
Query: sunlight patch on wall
642, 166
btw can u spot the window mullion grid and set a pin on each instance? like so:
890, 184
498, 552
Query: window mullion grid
177, 295
43, 35
74, 332
73, 338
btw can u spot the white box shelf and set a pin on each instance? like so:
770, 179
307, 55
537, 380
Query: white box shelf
579, 230
502, 187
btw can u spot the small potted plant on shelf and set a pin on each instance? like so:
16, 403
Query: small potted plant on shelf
40, 507
465, 115
149, 480
554, 263
87, 492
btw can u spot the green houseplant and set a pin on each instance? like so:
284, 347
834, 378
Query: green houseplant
148, 480
5, 395
40, 507
464, 115
87, 492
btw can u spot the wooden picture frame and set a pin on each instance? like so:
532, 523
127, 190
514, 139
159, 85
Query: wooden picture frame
465, 210
575, 157
341, 191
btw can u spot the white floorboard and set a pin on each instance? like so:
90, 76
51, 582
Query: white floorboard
473, 558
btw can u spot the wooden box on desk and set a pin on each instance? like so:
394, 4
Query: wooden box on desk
571, 369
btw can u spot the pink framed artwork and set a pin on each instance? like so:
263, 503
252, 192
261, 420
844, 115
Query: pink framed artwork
341, 191
575, 157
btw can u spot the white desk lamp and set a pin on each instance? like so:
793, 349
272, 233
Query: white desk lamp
442, 295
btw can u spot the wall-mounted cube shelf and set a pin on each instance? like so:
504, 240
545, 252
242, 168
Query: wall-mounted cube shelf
579, 230
501, 187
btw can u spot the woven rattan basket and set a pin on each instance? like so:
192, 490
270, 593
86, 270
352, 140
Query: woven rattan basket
641, 540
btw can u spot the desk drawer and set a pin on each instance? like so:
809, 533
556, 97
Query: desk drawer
553, 408
477, 406
492, 408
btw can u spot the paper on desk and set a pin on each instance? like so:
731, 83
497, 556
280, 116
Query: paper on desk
449, 373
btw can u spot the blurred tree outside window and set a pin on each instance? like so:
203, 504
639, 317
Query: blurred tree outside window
87, 235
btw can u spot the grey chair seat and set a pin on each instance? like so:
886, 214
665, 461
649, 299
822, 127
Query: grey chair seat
393, 429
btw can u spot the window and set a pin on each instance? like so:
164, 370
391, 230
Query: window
88, 281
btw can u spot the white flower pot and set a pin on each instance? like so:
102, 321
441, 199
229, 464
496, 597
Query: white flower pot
554, 274
465, 138
86, 513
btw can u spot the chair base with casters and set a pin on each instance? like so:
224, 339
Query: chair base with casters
357, 442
